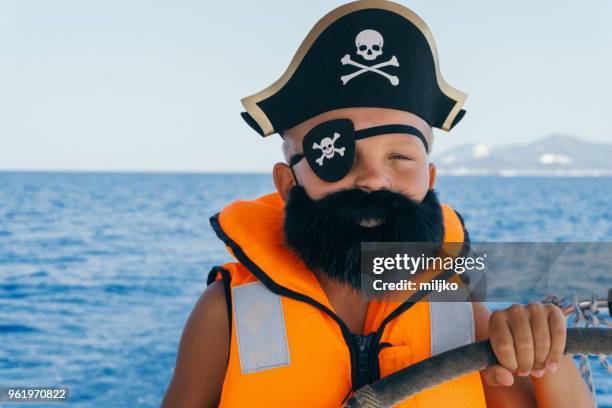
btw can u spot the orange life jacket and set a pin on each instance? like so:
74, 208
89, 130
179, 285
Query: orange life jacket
287, 346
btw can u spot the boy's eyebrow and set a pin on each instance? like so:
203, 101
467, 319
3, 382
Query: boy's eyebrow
404, 141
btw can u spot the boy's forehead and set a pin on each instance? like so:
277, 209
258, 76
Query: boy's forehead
361, 118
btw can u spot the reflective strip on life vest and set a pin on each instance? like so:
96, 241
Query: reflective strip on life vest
260, 328
452, 322
262, 339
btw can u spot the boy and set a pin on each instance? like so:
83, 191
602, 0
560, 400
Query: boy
288, 325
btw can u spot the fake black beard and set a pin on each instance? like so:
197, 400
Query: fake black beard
326, 233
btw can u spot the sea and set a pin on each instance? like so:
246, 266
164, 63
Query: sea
99, 271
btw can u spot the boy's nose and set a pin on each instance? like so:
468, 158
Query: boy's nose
371, 178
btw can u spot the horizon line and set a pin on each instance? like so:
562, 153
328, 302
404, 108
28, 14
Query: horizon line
258, 173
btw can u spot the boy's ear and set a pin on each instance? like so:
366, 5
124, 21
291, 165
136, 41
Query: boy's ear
432, 176
283, 179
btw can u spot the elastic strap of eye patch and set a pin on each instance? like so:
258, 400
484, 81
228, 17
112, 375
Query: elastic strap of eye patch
381, 130
295, 159
292, 162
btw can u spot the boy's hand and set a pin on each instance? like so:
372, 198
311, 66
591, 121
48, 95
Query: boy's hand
527, 339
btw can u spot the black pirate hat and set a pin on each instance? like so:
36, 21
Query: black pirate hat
369, 53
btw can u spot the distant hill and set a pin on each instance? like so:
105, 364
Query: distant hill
555, 155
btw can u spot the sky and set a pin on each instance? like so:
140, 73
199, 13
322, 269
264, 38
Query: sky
156, 85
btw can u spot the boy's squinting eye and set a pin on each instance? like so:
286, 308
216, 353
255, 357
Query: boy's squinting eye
398, 156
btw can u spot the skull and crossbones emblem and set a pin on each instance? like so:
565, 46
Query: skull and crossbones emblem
327, 148
369, 45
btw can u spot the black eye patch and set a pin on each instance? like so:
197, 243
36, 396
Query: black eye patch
329, 147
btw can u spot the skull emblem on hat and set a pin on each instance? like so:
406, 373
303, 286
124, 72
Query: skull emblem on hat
369, 44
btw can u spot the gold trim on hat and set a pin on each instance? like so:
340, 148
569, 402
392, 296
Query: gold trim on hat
250, 102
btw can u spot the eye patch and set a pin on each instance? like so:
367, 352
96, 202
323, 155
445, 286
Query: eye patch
329, 147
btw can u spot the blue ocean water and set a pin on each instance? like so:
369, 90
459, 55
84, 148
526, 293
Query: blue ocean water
99, 271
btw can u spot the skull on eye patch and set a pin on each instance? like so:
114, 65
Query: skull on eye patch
329, 147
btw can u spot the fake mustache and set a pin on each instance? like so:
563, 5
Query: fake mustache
352, 206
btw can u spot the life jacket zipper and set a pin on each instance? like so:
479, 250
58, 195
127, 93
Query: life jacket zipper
365, 368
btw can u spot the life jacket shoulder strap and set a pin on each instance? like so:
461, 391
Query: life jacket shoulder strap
237, 273
453, 225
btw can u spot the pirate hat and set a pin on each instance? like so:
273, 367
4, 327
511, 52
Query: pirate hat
369, 53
